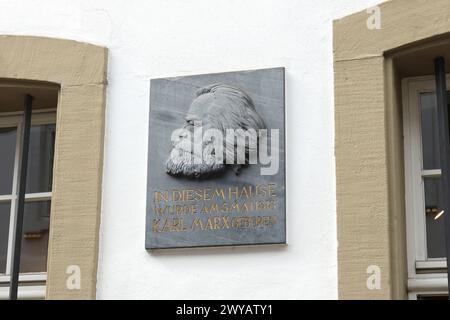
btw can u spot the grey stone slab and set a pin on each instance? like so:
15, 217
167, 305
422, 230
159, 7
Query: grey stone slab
170, 100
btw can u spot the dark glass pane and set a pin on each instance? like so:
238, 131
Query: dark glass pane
4, 232
430, 131
40, 161
448, 101
36, 224
435, 224
7, 152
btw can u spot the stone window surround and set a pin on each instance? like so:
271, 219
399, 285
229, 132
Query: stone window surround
79, 69
368, 141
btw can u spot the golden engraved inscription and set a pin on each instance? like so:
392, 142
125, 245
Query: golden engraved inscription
214, 208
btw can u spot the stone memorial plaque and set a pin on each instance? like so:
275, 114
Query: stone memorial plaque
216, 160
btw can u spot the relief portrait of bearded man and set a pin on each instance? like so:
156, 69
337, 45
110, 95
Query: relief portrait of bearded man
217, 108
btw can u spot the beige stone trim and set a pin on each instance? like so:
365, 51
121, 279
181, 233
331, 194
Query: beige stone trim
403, 23
80, 70
369, 147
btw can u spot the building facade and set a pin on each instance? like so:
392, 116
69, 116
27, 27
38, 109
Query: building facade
363, 214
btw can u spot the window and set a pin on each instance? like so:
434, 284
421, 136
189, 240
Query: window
427, 267
36, 221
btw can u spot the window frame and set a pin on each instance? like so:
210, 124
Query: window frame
426, 276
35, 281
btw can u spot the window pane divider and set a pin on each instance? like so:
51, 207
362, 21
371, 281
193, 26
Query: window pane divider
6, 198
25, 292
21, 186
40, 196
436, 173
25, 277
428, 284
37, 196
12, 216
431, 264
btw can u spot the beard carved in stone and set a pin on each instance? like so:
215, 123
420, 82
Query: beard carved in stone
216, 108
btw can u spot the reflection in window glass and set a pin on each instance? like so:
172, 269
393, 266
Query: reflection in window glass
430, 131
435, 225
4, 232
36, 224
40, 161
7, 151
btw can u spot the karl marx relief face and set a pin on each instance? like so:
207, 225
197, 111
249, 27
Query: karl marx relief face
216, 108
